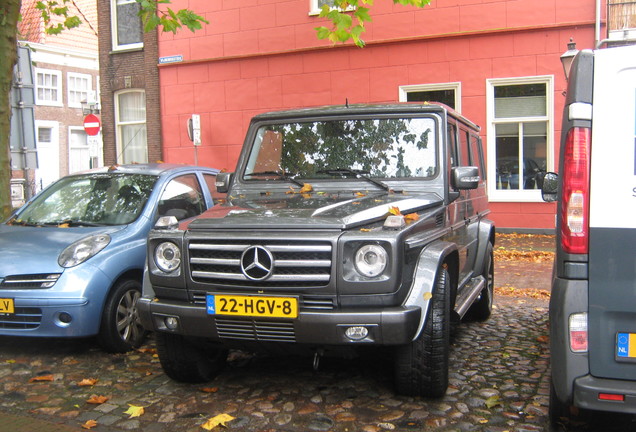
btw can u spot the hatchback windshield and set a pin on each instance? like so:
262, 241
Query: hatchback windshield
94, 199
390, 148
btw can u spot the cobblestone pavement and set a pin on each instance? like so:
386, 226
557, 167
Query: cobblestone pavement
499, 382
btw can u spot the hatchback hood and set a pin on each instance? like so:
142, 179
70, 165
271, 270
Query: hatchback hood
31, 250
341, 210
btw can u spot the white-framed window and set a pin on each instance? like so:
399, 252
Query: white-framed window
79, 88
130, 121
446, 93
316, 5
520, 117
48, 87
127, 30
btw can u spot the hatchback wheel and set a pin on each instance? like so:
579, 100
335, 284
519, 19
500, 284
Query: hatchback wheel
121, 329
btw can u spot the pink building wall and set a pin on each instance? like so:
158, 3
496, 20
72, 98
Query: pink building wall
261, 55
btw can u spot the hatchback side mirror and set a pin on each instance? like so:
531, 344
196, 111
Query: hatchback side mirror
223, 181
549, 183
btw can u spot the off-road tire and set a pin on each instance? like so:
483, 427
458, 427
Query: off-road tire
421, 367
120, 329
482, 308
189, 360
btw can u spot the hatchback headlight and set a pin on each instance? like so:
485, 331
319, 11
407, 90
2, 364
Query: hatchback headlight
167, 257
371, 260
82, 250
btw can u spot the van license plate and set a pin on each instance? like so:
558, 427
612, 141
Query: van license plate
626, 346
253, 306
6, 306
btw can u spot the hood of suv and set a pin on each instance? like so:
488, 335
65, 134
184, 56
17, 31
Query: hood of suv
329, 210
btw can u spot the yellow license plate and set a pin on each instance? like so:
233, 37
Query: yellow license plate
255, 306
6, 306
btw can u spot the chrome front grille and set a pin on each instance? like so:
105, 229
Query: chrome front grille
24, 318
299, 264
32, 281
256, 330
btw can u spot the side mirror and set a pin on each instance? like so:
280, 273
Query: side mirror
549, 183
223, 181
466, 177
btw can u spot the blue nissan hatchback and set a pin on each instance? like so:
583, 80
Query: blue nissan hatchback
73, 256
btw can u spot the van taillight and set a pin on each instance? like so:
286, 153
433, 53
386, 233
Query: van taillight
576, 191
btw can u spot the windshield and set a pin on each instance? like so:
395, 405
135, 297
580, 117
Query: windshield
89, 200
391, 148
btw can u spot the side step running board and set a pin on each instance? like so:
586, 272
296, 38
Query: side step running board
467, 296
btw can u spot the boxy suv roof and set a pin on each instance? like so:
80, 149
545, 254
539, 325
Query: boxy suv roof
593, 303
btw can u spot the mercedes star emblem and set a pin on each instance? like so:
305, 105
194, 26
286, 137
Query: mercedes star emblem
257, 263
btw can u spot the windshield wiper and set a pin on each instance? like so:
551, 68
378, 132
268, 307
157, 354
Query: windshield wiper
72, 223
278, 174
357, 173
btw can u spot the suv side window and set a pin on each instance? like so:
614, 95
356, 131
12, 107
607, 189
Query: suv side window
464, 155
477, 155
452, 144
182, 198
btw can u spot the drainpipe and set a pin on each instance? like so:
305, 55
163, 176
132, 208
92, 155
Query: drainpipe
597, 27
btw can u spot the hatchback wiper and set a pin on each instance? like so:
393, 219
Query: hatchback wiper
72, 223
357, 173
278, 174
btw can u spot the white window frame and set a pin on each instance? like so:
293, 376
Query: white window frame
456, 86
56, 73
314, 9
118, 123
114, 33
71, 147
70, 76
533, 195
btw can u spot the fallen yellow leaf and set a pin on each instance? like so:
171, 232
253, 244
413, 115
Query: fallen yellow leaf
90, 424
87, 382
306, 188
365, 229
394, 210
215, 421
97, 399
360, 194
41, 378
427, 296
492, 401
134, 411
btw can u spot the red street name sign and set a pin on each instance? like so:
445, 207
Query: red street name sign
92, 124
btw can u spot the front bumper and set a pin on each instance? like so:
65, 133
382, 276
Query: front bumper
387, 326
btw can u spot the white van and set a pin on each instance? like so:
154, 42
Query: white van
593, 302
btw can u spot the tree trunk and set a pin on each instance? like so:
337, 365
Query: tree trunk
9, 15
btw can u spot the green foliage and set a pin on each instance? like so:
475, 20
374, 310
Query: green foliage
168, 19
344, 13
52, 8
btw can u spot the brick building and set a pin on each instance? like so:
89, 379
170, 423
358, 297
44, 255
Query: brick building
65, 75
131, 123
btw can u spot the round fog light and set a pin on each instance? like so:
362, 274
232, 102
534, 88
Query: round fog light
357, 333
171, 322
65, 317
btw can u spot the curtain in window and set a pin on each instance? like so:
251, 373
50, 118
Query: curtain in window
131, 118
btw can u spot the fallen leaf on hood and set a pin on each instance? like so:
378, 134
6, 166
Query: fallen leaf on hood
394, 211
291, 190
90, 424
41, 378
360, 194
306, 188
215, 421
365, 229
134, 411
88, 382
411, 217
97, 400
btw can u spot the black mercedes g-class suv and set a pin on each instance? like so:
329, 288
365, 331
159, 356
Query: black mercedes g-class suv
344, 227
